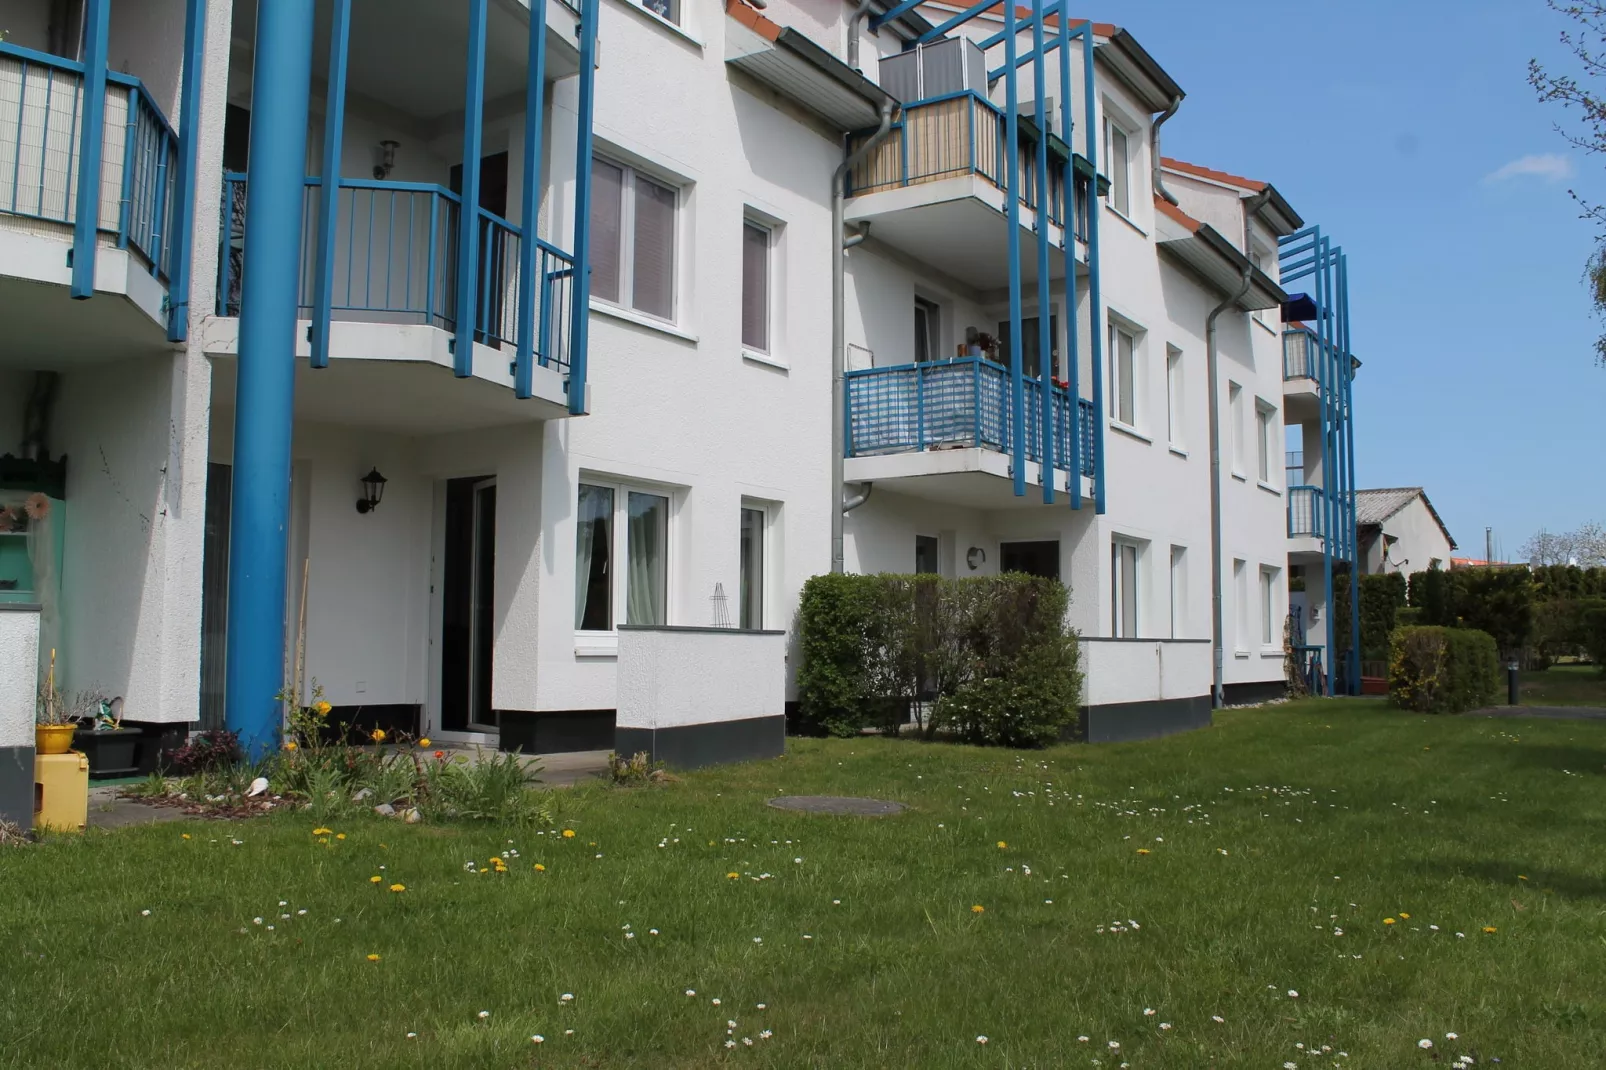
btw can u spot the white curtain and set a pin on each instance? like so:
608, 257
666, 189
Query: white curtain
647, 588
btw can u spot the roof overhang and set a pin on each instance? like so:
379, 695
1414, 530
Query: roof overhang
1133, 65
1278, 215
1202, 249
791, 64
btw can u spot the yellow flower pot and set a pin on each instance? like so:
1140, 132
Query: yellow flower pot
53, 738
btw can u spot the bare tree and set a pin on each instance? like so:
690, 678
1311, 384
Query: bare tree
1584, 546
1588, 44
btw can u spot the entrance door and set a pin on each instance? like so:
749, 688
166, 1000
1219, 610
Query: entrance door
1032, 558
494, 267
468, 621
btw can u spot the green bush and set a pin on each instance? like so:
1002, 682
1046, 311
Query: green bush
1442, 670
1592, 629
1382, 597
1498, 601
875, 648
1433, 594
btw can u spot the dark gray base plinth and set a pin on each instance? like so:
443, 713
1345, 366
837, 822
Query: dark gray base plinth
16, 785
1121, 722
695, 745
1247, 694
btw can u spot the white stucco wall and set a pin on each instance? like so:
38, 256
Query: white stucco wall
671, 678
19, 660
1420, 540
1143, 670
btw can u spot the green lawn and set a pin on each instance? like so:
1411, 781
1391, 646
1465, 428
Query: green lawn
1278, 844
1562, 685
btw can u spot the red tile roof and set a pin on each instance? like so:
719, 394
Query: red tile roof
1165, 207
1253, 185
745, 14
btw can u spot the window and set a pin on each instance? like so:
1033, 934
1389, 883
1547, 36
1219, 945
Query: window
1240, 592
756, 286
1124, 558
928, 319
1179, 591
669, 9
1235, 412
601, 591
1031, 366
1117, 157
926, 555
752, 553
1174, 397
1264, 442
1268, 606
633, 247
1122, 383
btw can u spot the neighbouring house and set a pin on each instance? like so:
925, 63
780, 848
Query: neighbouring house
505, 378
1400, 531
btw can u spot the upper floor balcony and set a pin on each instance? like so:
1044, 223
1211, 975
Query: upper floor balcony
44, 103
934, 188
1312, 513
945, 431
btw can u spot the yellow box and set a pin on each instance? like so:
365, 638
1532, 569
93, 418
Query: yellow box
61, 791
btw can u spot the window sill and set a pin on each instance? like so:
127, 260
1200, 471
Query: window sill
1268, 488
596, 645
1128, 429
653, 16
1123, 217
1240, 477
1271, 652
766, 359
1268, 328
1241, 655
625, 314
1180, 451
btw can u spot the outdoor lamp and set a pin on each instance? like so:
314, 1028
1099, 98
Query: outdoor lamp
975, 557
387, 158
373, 489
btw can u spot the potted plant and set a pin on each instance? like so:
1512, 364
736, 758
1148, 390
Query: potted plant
57, 719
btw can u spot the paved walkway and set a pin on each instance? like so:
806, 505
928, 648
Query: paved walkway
1558, 713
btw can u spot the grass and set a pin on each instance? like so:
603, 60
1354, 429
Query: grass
1266, 835
1563, 685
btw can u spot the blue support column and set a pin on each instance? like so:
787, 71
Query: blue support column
1017, 386
334, 136
1073, 355
189, 94
1094, 298
1045, 361
1348, 371
1324, 397
264, 391
468, 217
530, 204
581, 327
91, 137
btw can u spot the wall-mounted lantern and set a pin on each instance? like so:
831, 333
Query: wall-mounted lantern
387, 159
373, 489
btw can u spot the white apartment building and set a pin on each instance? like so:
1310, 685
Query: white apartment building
556, 530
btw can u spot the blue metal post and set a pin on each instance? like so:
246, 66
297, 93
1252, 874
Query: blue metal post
1045, 361
1324, 398
530, 203
1095, 307
579, 333
468, 218
264, 392
334, 136
1073, 356
87, 219
1348, 371
189, 136
1017, 385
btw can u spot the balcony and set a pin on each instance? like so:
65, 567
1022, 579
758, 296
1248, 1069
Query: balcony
1309, 514
394, 284
41, 127
945, 431
934, 188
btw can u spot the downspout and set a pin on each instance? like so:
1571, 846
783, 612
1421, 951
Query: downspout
839, 330
1154, 148
858, 499
1212, 372
853, 31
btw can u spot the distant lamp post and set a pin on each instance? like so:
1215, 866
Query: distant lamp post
373, 490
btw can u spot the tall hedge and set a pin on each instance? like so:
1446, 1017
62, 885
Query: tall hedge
1442, 670
876, 647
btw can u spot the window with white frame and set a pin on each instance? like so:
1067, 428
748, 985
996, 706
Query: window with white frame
757, 250
1240, 597
754, 536
667, 9
634, 220
620, 525
1123, 375
1118, 165
1268, 607
1265, 440
928, 324
1179, 592
1126, 558
1235, 413
1175, 432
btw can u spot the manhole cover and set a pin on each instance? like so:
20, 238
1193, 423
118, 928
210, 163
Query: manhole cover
837, 804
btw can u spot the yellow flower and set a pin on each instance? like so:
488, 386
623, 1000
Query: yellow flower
1404, 916
1490, 929
1143, 850
424, 742
373, 958
375, 879
289, 744
321, 831
1388, 921
323, 839
978, 909
321, 708
539, 868
377, 735
1521, 877
340, 835
1002, 845
568, 834
398, 887
733, 876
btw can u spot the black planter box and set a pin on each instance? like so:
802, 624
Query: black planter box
116, 753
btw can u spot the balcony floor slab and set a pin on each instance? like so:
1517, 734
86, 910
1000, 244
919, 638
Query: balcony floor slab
973, 478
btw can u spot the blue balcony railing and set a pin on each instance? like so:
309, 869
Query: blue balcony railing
41, 112
956, 404
952, 137
396, 262
1307, 512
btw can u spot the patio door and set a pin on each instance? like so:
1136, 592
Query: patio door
468, 622
496, 256
1033, 558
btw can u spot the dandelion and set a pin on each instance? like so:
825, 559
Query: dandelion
1404, 916
733, 876
568, 834
978, 909
1002, 846
1388, 921
424, 742
289, 744
377, 735
1424, 1043
322, 831
1490, 929
375, 879
1143, 850
539, 868
398, 887
185, 835
373, 958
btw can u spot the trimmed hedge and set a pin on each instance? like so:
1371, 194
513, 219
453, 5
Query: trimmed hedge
993, 653
1442, 670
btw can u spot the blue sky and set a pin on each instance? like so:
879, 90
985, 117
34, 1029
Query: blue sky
1390, 124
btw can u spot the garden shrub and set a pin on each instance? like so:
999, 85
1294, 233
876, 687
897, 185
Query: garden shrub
1592, 630
835, 614
1382, 597
206, 751
1442, 670
1433, 593
1498, 601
